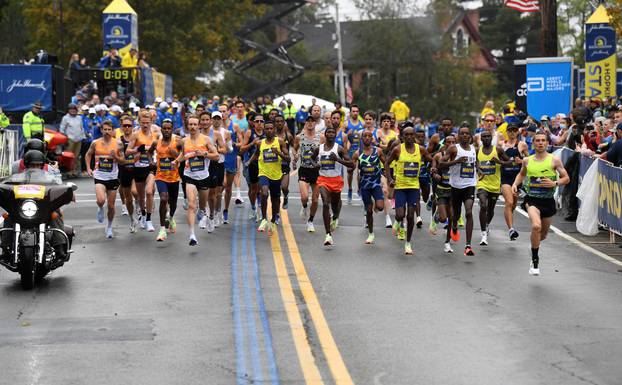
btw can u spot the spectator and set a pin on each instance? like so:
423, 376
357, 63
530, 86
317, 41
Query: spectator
83, 63
614, 154
74, 62
178, 122
110, 60
115, 112
301, 117
130, 59
32, 123
163, 113
4, 120
400, 109
289, 114
142, 60
71, 125
91, 124
489, 108
193, 102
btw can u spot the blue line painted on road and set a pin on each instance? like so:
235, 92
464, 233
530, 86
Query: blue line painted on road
250, 314
240, 353
267, 335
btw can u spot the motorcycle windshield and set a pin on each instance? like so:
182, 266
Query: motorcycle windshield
34, 176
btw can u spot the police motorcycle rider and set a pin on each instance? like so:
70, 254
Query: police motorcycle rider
13, 190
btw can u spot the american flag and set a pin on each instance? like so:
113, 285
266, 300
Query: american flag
523, 5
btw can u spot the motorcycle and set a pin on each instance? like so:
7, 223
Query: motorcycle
31, 200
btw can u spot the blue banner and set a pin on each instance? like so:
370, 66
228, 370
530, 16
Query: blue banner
584, 165
610, 196
120, 31
549, 86
155, 84
22, 85
579, 90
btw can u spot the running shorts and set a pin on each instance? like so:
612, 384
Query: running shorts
332, 184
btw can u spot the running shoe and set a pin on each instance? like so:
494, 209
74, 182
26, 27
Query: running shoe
149, 226
185, 204
401, 233
395, 227
468, 251
388, 222
334, 223
448, 248
428, 204
203, 222
263, 225
252, 213
217, 219
445, 224
109, 234
513, 234
285, 203
310, 227
419, 222
277, 221
455, 235
239, 200
161, 235
408, 249
143, 222
533, 270
193, 240
370, 239
461, 221
304, 213
349, 197
225, 217
432, 228
100, 214
271, 228
484, 241
328, 240
210, 225
124, 210
172, 225
133, 225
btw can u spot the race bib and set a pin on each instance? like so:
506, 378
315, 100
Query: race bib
411, 169
144, 158
368, 170
105, 164
307, 156
130, 158
467, 170
536, 187
269, 156
327, 163
488, 167
166, 164
196, 163
445, 178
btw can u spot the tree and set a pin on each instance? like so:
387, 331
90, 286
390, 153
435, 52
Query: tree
13, 33
183, 38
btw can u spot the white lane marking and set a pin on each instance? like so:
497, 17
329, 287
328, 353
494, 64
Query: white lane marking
576, 242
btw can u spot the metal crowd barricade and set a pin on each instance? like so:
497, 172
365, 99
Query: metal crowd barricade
9, 150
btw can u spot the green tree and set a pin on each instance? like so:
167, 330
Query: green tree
13, 32
571, 18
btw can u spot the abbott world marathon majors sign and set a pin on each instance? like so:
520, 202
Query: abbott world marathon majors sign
120, 27
549, 86
22, 85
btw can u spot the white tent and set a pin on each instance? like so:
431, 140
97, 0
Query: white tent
305, 100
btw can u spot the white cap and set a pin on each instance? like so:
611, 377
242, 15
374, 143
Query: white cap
175, 105
85, 107
217, 113
163, 105
132, 105
92, 110
158, 100
600, 119
561, 115
105, 107
116, 108
151, 107
136, 108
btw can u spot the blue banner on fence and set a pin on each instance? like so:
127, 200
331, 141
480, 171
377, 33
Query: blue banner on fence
156, 84
22, 85
610, 196
549, 86
584, 165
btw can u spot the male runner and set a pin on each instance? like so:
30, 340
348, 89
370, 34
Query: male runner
424, 176
107, 152
197, 151
272, 153
489, 160
236, 137
284, 134
143, 175
542, 173
353, 133
251, 168
370, 160
442, 193
126, 171
409, 156
217, 135
516, 150
167, 149
386, 137
240, 124
332, 158
461, 160
305, 145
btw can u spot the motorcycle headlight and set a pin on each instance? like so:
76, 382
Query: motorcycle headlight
29, 209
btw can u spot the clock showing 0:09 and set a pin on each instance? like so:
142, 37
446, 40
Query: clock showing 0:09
117, 74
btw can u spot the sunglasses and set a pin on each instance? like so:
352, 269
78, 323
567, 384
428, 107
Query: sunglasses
258, 121
128, 125
489, 121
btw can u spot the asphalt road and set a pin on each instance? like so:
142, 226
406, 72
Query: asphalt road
244, 308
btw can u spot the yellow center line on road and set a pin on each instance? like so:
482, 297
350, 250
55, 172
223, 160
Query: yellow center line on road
309, 367
333, 357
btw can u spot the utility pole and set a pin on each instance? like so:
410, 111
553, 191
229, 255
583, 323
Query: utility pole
62, 32
548, 37
342, 89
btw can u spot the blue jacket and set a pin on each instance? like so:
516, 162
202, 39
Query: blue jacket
178, 122
162, 116
301, 116
113, 119
91, 127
